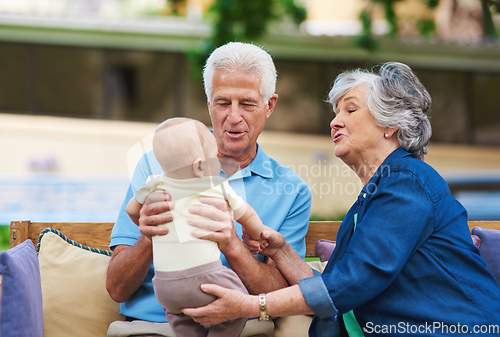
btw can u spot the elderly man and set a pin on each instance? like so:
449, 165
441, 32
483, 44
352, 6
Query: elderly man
240, 81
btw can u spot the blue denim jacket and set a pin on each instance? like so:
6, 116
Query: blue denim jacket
410, 267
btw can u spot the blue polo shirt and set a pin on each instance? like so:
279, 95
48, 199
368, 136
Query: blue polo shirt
281, 199
410, 267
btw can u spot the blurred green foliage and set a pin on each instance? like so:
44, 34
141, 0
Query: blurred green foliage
489, 7
247, 21
426, 27
366, 40
240, 20
4, 237
332, 217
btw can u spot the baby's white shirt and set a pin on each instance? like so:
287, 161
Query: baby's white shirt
178, 249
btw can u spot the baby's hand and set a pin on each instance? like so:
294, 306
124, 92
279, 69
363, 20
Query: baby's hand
263, 243
257, 245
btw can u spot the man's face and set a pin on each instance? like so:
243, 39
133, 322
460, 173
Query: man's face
238, 113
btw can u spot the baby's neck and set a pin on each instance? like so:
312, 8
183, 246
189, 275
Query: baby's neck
179, 175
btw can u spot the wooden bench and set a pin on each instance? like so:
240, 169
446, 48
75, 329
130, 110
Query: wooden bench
97, 234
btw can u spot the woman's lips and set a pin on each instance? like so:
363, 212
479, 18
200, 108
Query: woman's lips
336, 137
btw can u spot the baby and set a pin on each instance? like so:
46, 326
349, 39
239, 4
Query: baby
187, 153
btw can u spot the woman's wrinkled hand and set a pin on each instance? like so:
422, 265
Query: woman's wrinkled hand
229, 305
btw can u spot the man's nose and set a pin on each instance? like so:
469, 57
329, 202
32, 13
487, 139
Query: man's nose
234, 115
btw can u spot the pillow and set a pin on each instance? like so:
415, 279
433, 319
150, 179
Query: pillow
292, 326
21, 302
490, 248
476, 241
318, 265
324, 248
73, 278
298, 326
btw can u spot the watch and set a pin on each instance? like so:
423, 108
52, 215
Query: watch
263, 316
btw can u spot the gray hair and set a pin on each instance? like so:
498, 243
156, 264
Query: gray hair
241, 56
396, 98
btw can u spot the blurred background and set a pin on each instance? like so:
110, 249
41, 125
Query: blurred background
83, 84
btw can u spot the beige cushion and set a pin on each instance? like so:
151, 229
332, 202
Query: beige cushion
318, 265
253, 328
75, 300
256, 328
296, 326
139, 328
292, 326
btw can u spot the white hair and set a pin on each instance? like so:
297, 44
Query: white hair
241, 56
396, 98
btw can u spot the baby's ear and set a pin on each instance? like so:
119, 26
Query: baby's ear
198, 168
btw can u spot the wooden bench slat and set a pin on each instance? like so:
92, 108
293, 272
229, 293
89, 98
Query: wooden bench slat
97, 234
485, 224
320, 230
92, 234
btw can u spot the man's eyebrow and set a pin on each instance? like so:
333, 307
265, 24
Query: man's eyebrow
220, 98
249, 99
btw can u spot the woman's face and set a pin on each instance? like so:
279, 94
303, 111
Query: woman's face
354, 131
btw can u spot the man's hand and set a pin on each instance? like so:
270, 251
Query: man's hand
129, 265
154, 212
257, 277
215, 223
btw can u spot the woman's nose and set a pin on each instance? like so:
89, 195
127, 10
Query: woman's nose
335, 123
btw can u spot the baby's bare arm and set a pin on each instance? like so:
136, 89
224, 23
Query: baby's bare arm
133, 209
250, 221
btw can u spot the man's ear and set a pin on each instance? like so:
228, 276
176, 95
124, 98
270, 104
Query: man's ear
271, 104
198, 168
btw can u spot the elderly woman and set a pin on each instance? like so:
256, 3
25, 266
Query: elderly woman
404, 261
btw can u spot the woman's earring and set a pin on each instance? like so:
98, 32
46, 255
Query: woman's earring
386, 135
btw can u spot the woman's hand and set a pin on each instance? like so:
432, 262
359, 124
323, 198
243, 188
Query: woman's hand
231, 304
271, 243
288, 262
215, 223
154, 212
